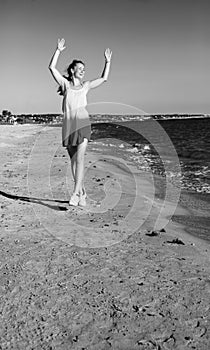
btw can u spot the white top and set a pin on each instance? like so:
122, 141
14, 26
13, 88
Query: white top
75, 115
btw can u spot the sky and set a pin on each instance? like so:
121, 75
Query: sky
160, 60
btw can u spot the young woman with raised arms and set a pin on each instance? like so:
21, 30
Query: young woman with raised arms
76, 128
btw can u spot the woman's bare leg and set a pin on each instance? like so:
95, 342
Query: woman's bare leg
72, 150
79, 173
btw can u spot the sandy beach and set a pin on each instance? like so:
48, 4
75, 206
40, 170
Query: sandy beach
129, 271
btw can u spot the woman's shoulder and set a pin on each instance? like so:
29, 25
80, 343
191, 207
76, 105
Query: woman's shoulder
86, 84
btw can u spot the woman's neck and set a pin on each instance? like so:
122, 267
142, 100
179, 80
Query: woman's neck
76, 82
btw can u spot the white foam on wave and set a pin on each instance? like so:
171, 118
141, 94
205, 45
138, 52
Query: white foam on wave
3, 144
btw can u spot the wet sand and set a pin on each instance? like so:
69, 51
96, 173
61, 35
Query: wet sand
121, 273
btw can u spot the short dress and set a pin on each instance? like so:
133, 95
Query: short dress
76, 122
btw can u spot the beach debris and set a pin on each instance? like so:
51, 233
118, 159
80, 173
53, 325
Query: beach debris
149, 344
176, 241
153, 233
170, 340
133, 150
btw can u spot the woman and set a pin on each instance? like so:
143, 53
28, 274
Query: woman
76, 128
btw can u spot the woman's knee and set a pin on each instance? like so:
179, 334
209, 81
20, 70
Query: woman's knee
80, 160
81, 149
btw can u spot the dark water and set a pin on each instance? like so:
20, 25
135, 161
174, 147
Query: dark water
179, 146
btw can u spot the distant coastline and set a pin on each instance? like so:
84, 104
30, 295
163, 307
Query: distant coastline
54, 118
135, 117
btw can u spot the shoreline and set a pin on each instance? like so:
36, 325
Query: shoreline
189, 200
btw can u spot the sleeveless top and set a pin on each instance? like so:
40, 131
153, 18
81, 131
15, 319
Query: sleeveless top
75, 114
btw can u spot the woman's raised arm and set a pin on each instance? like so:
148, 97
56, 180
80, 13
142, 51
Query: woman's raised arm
104, 76
52, 65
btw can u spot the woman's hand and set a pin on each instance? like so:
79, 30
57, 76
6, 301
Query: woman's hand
61, 44
108, 55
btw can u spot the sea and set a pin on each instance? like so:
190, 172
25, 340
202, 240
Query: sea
178, 148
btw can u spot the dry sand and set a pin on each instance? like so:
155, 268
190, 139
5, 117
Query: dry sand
105, 276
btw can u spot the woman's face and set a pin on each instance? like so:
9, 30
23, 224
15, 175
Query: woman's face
79, 71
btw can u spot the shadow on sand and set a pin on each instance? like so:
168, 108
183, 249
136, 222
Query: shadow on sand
41, 201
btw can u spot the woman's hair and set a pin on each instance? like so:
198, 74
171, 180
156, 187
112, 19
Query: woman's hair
69, 76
